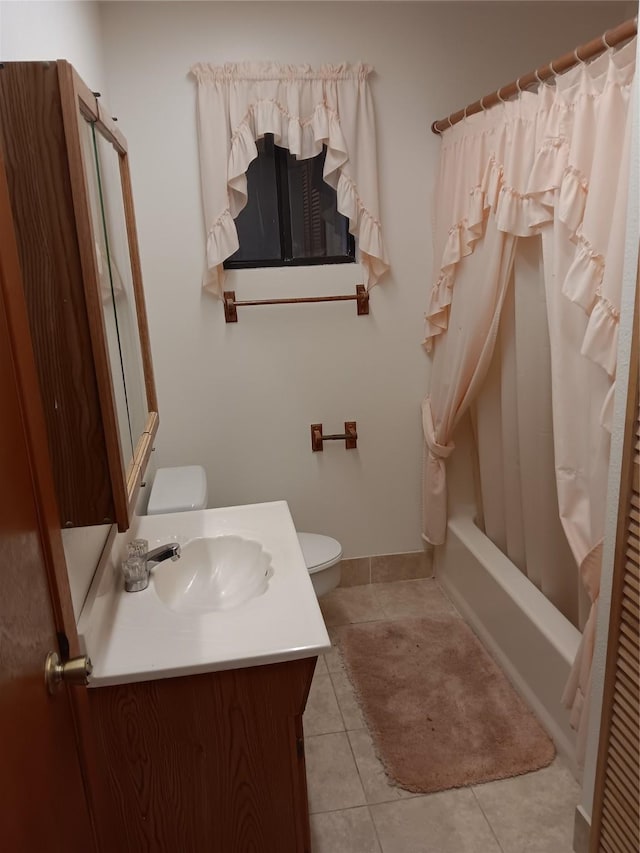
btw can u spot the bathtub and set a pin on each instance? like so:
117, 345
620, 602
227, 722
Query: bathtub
527, 636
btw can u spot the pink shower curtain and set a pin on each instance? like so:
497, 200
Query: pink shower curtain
460, 362
513, 425
554, 163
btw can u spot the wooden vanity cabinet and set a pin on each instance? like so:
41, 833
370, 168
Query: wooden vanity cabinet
49, 121
211, 762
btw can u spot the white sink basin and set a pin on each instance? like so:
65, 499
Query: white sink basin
239, 596
213, 573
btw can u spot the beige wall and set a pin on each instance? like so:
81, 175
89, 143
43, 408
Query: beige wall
239, 398
54, 30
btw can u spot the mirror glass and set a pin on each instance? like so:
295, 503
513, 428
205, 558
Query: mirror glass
102, 164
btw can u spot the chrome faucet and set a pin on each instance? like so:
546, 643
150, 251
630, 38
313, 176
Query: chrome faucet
136, 569
163, 552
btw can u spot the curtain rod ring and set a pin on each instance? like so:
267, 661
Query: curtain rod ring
482, 106
449, 121
577, 56
538, 78
500, 98
605, 42
518, 86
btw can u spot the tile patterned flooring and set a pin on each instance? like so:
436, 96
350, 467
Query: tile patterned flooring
353, 807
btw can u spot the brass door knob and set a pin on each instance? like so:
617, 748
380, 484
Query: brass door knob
74, 671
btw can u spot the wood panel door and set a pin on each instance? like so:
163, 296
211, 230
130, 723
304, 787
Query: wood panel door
615, 826
43, 800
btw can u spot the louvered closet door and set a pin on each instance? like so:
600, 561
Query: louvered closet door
616, 817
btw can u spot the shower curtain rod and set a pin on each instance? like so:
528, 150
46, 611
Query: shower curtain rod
611, 38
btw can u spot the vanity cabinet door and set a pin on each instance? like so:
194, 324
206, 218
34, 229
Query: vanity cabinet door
300, 788
209, 762
98, 459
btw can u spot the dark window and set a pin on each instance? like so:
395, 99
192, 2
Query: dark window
291, 217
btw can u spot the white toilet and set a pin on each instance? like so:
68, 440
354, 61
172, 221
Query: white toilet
178, 490
185, 488
322, 554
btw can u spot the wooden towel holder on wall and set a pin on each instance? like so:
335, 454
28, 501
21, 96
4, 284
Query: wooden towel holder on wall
361, 297
350, 436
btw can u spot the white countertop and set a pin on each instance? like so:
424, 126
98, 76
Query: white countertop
136, 637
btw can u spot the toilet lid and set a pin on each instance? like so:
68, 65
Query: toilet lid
178, 490
319, 551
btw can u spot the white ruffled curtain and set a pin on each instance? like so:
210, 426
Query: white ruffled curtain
304, 109
555, 163
513, 427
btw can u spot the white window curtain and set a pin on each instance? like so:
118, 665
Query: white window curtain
553, 162
304, 109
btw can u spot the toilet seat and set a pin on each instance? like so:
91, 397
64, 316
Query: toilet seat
319, 552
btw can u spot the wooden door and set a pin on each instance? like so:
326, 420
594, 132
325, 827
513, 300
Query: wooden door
615, 827
43, 781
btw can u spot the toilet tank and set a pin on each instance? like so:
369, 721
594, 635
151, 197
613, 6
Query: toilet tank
178, 490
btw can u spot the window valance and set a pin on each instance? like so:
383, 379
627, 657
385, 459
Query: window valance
304, 109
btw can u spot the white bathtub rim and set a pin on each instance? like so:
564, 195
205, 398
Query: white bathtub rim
533, 608
553, 625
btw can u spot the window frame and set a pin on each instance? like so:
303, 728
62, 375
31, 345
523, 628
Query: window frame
285, 232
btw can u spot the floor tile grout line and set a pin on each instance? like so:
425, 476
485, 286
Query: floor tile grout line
444, 594
393, 799
360, 805
364, 792
343, 809
353, 755
493, 832
307, 734
375, 829
355, 760
344, 722
365, 728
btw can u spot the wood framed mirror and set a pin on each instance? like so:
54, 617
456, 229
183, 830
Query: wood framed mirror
117, 276
68, 173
